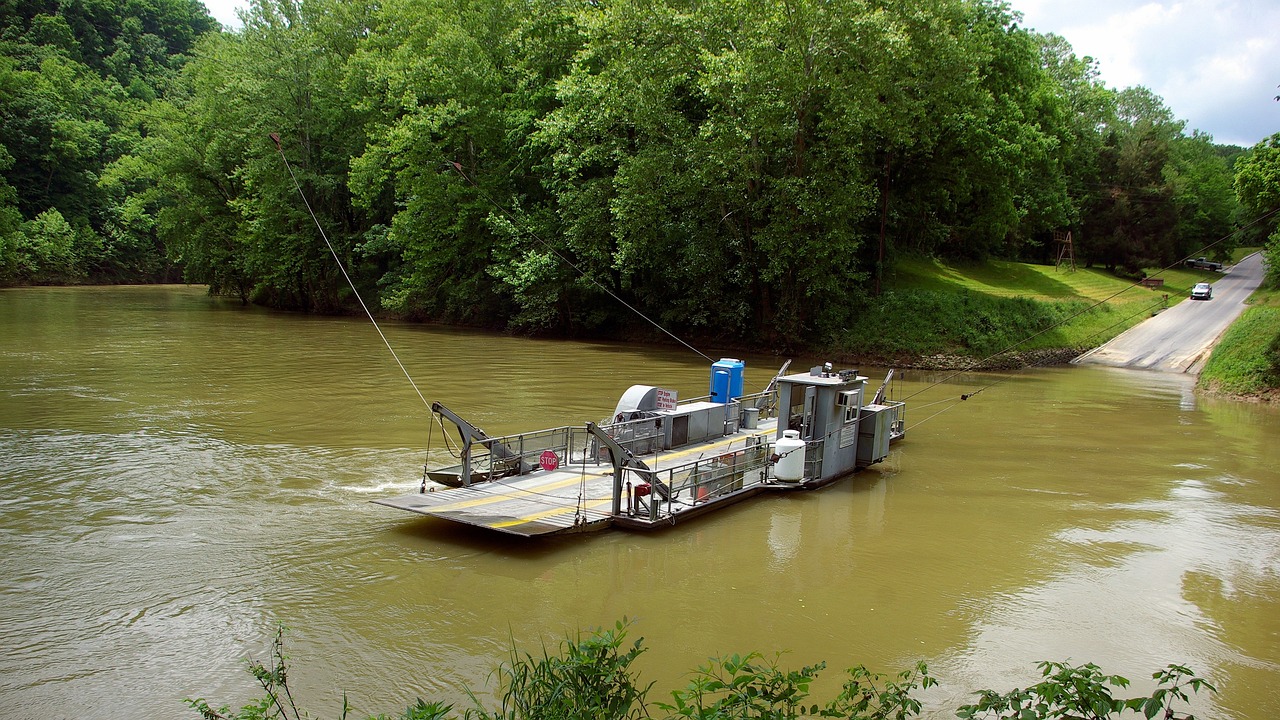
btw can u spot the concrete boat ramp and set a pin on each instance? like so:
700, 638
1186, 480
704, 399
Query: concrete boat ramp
1180, 339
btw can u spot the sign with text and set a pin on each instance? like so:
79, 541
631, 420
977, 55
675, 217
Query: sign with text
666, 399
549, 460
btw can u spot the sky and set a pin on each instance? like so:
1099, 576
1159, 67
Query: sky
1216, 63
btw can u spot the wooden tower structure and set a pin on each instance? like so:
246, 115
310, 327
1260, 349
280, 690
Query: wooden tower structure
1066, 249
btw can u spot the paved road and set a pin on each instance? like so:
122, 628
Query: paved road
1179, 339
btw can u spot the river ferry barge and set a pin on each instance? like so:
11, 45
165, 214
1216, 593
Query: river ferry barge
658, 461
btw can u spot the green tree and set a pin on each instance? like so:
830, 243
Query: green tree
1131, 223
1201, 183
223, 199
1084, 105
1257, 185
74, 79
447, 99
45, 249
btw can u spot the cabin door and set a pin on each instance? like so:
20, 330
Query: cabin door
810, 400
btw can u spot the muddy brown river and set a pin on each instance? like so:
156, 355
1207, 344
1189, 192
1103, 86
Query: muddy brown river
180, 475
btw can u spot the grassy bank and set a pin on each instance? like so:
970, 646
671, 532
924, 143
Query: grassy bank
1023, 312
1246, 362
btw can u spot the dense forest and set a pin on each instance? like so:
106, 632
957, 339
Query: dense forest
76, 82
732, 169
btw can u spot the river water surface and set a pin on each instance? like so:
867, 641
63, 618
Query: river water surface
180, 474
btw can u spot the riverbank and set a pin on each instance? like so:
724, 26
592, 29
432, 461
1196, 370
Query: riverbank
998, 315
992, 315
1245, 365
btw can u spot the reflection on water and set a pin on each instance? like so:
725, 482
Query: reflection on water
181, 474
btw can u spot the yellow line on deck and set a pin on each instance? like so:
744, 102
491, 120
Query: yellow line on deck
589, 505
513, 493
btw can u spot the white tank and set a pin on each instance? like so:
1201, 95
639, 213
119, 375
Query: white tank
790, 450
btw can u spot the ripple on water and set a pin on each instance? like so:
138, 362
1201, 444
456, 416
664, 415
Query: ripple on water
209, 476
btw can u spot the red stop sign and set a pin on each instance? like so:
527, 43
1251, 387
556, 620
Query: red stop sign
549, 460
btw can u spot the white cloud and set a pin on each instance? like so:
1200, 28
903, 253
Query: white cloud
1216, 63
224, 11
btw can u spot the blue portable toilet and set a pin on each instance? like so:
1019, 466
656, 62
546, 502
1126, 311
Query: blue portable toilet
726, 380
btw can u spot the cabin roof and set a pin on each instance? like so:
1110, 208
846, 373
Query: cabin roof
832, 380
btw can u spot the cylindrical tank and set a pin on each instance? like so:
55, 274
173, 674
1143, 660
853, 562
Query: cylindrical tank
726, 380
790, 451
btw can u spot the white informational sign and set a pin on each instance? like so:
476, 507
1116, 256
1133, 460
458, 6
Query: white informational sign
666, 399
849, 434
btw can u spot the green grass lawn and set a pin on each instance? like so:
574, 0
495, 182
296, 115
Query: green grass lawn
981, 310
1240, 253
1002, 278
1247, 360
977, 309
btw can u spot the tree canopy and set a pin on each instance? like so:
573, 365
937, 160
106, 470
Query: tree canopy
76, 81
737, 170
1257, 185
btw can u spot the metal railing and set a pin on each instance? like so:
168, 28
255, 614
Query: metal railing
573, 445
699, 481
639, 437
525, 451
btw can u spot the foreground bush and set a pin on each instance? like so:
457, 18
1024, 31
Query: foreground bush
592, 679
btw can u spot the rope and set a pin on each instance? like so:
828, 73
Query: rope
935, 402
921, 422
279, 148
514, 221
448, 441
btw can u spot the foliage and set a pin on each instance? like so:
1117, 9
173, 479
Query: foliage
740, 171
1247, 359
225, 201
1257, 185
46, 249
592, 678
735, 170
1067, 691
873, 696
75, 79
1084, 692
744, 686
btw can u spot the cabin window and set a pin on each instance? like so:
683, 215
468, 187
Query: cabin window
795, 415
848, 400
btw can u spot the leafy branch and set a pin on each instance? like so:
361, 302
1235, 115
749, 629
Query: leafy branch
1084, 692
592, 678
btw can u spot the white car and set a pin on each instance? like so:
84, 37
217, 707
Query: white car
1202, 291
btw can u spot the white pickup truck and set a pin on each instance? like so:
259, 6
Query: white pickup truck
1204, 264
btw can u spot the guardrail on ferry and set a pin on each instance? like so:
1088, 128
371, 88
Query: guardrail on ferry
701, 481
